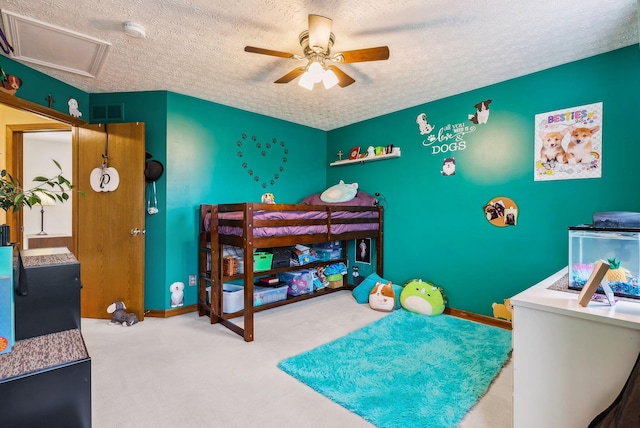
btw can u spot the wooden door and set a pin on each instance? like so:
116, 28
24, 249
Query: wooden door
111, 224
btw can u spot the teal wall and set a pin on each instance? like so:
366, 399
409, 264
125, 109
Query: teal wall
197, 142
435, 228
207, 146
36, 87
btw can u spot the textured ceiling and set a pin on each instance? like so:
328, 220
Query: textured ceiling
438, 48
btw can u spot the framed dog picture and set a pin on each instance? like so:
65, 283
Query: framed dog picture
568, 143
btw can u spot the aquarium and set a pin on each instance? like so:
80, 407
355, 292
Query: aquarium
619, 248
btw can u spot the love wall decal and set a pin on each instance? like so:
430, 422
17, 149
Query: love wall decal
274, 153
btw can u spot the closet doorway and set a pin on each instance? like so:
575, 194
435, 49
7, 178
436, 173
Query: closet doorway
31, 149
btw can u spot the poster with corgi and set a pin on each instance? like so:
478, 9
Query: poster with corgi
568, 143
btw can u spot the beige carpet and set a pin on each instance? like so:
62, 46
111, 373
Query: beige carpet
184, 372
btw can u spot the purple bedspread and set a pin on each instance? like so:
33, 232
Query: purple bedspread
299, 229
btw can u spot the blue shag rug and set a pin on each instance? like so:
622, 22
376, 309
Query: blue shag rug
406, 369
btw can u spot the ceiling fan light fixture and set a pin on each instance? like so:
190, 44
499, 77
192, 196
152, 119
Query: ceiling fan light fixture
316, 43
329, 79
315, 72
306, 81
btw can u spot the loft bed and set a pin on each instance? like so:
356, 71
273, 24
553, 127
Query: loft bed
252, 226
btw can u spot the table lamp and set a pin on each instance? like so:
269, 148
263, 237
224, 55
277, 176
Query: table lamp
44, 201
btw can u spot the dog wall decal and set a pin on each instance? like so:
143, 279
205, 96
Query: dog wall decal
481, 115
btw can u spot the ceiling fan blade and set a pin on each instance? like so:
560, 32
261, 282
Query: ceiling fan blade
362, 55
268, 52
319, 31
344, 79
290, 75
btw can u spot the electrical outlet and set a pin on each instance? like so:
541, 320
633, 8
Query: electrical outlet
192, 280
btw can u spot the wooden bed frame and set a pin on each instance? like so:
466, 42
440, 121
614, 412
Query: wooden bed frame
211, 253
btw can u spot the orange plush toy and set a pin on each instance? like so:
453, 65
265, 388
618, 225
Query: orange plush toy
382, 297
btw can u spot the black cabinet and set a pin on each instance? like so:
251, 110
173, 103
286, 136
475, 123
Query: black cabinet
54, 391
50, 297
46, 379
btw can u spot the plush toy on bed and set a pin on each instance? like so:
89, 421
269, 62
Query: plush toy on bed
423, 297
268, 198
382, 297
340, 192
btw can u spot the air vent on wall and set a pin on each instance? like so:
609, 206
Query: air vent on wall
107, 113
44, 44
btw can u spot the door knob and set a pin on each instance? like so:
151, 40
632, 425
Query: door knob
135, 232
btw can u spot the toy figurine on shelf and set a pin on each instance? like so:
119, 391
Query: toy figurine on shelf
9, 84
371, 151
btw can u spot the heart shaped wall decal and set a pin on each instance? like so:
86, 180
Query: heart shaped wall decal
268, 154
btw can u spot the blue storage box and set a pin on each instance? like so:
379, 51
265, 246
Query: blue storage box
7, 328
326, 255
7, 314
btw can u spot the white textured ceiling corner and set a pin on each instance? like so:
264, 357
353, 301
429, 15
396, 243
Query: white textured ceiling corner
438, 48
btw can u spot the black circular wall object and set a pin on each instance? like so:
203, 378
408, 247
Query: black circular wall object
153, 170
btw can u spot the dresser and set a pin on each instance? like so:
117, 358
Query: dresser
569, 362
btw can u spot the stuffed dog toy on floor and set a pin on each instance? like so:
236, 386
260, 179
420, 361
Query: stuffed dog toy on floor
177, 294
120, 316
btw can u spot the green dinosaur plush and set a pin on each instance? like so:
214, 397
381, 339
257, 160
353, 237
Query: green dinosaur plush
423, 297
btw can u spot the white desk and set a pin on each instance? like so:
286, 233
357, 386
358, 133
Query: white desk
569, 362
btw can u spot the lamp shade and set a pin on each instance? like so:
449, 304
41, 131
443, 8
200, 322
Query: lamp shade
306, 81
329, 79
315, 72
46, 201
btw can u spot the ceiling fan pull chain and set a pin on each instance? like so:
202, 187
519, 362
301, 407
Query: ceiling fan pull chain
6, 47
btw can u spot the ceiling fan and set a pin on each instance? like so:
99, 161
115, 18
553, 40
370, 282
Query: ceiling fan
316, 44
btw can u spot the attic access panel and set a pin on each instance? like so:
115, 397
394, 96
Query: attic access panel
40, 43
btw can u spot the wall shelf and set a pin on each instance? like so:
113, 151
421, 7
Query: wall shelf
366, 159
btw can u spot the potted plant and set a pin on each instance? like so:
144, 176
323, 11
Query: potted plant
13, 196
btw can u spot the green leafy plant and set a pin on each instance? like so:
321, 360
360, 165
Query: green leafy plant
13, 196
